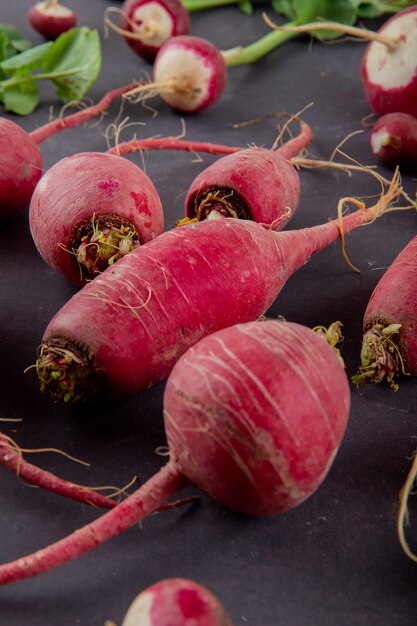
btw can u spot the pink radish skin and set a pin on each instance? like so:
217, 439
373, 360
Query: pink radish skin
124, 331
154, 22
21, 160
389, 76
389, 346
254, 415
255, 183
91, 208
176, 602
394, 141
51, 19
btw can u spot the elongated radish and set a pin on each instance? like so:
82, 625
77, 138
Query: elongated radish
147, 24
89, 210
176, 602
20, 157
124, 331
389, 346
254, 415
51, 19
394, 141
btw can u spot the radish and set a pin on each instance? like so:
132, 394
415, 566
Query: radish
51, 19
176, 602
89, 210
124, 331
21, 159
394, 141
147, 24
389, 346
254, 415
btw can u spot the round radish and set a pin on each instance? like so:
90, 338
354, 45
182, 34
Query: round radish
389, 70
51, 19
254, 415
147, 24
89, 210
394, 141
176, 602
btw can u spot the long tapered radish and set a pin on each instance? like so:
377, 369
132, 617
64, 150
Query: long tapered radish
254, 415
124, 331
176, 602
51, 19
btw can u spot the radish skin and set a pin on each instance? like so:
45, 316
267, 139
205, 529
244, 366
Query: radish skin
176, 602
394, 141
254, 415
124, 331
51, 19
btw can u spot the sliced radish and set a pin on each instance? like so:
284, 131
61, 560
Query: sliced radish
51, 19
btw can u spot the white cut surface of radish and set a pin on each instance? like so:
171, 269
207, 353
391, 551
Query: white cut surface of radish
55, 10
379, 139
152, 13
140, 611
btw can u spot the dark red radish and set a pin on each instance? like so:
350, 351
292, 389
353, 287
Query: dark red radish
89, 210
147, 24
21, 160
254, 415
389, 70
124, 331
176, 602
389, 346
394, 141
51, 19
189, 74
256, 183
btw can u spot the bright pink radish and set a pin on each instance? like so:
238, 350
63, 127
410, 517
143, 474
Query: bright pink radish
255, 183
21, 159
176, 602
389, 70
394, 141
124, 331
389, 346
189, 74
89, 210
254, 415
51, 19
147, 24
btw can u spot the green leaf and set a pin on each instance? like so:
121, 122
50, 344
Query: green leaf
245, 6
29, 59
341, 11
21, 98
376, 8
73, 62
285, 7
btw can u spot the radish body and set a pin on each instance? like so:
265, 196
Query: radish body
149, 23
389, 75
254, 415
389, 346
176, 602
91, 208
51, 19
124, 331
394, 141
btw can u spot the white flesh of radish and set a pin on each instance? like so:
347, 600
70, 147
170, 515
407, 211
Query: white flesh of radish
154, 15
55, 10
139, 611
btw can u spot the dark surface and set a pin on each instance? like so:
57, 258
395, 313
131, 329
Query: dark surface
333, 560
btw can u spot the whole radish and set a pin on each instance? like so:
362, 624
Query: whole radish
176, 602
89, 210
51, 19
254, 415
21, 160
124, 331
389, 347
394, 141
147, 24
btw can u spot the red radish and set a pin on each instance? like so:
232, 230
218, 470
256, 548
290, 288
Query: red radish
176, 602
389, 346
51, 19
89, 210
21, 159
227, 188
254, 415
124, 331
394, 141
147, 24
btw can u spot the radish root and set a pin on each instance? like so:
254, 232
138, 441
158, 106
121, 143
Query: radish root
402, 518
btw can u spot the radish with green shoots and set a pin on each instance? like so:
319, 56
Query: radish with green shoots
51, 19
254, 415
394, 141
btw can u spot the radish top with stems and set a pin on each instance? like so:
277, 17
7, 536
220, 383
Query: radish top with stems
51, 19
176, 602
254, 415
